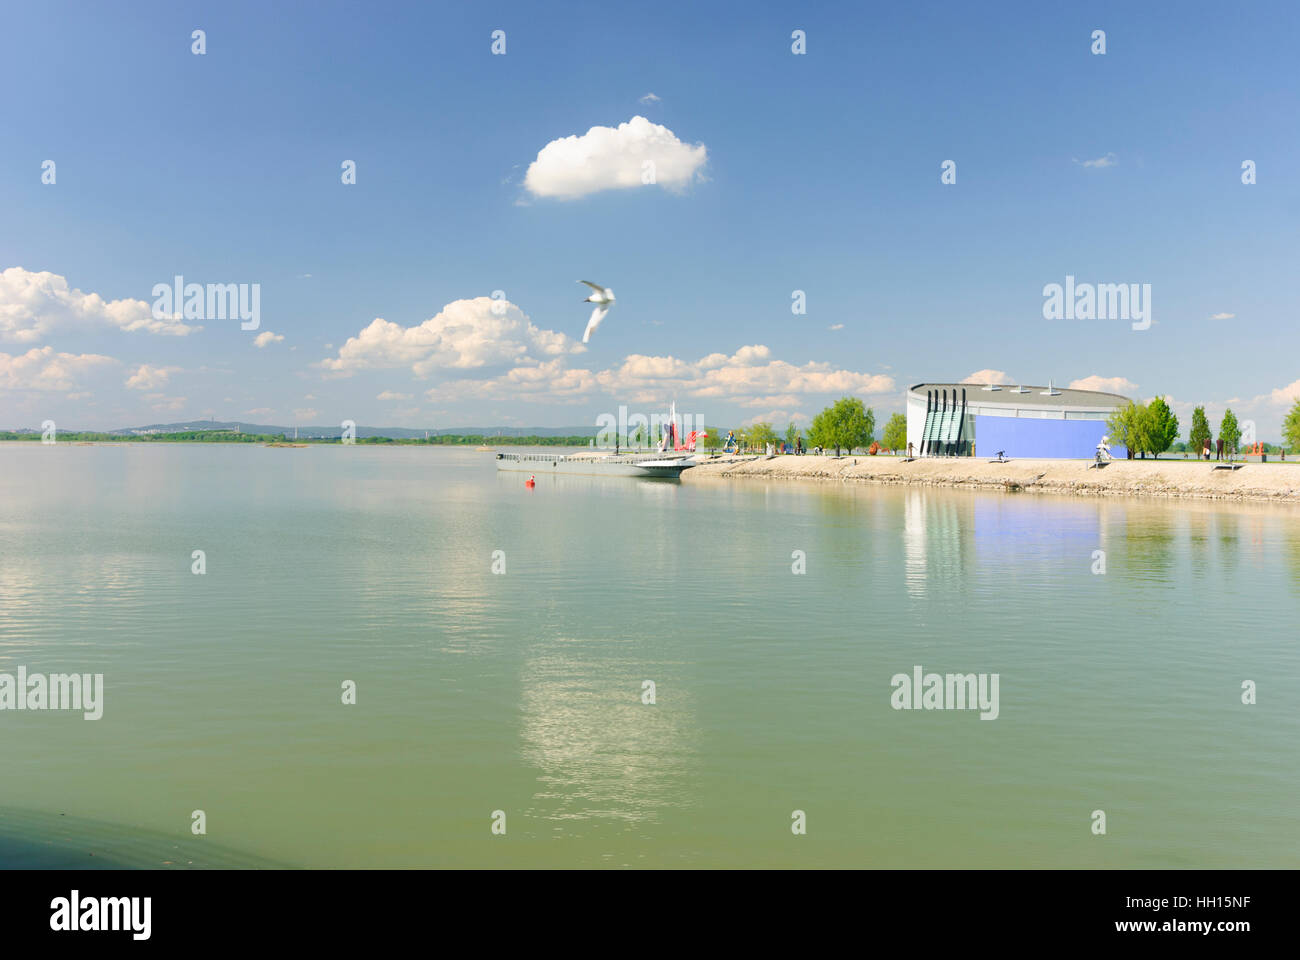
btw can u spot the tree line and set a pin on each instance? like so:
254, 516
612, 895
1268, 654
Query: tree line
1153, 428
845, 426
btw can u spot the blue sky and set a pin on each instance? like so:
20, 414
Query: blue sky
822, 174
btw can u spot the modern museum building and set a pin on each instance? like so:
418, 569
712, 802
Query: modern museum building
952, 419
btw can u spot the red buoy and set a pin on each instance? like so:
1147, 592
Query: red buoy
530, 482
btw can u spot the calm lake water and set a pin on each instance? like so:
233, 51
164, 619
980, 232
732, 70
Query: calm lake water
522, 692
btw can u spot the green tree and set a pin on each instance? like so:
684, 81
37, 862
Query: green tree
791, 434
895, 435
1162, 426
1200, 432
1144, 431
846, 424
820, 431
1291, 427
1229, 431
1122, 427
761, 434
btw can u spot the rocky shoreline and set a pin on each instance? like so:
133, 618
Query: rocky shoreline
1189, 479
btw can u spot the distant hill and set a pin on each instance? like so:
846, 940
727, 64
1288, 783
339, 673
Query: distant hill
397, 433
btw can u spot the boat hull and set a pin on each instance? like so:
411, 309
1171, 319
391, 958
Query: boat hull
628, 465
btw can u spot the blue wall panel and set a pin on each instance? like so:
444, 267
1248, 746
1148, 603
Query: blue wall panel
1028, 437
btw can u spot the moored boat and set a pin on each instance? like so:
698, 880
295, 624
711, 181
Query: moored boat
668, 465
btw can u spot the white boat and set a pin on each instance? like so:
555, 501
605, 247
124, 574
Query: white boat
667, 465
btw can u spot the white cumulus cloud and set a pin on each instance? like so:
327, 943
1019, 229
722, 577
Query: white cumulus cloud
611, 158
1282, 396
41, 368
149, 377
988, 376
265, 338
1104, 384
164, 404
35, 304
749, 377
466, 334
1109, 160
778, 418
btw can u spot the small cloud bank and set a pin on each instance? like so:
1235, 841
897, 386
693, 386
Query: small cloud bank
614, 158
466, 334
41, 368
749, 377
33, 305
150, 378
1109, 160
1104, 384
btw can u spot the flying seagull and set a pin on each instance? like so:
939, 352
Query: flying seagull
603, 298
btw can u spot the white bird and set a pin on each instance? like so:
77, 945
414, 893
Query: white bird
603, 298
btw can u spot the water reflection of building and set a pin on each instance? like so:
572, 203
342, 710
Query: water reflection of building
952, 539
932, 539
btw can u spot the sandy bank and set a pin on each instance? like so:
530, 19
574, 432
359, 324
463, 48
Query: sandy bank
1277, 482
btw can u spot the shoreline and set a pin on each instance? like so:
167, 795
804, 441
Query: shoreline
1168, 479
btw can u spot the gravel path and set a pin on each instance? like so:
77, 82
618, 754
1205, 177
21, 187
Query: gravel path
1152, 478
